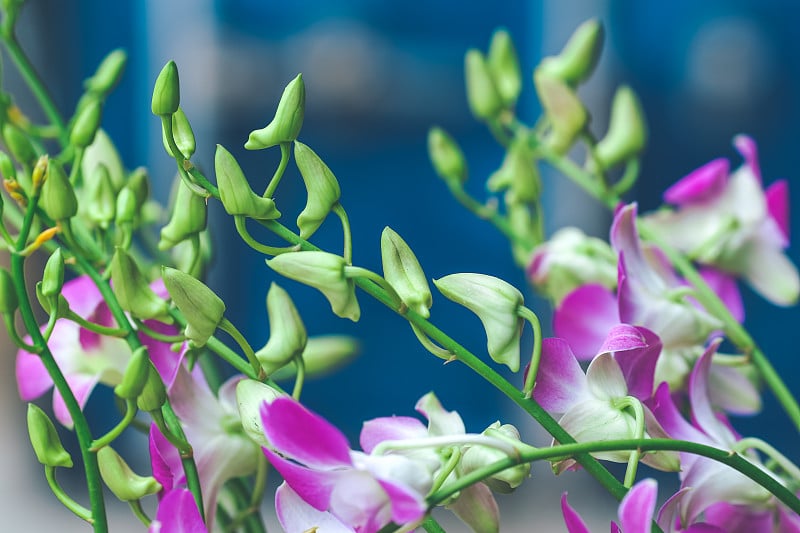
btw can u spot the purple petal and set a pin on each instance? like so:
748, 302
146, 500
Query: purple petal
164, 359
165, 460
638, 362
408, 505
788, 521
739, 518
313, 486
670, 418
584, 318
572, 519
378, 430
725, 286
82, 295
637, 507
747, 148
477, 508
81, 386
777, 196
178, 513
32, 377
359, 501
560, 381
702, 413
295, 514
701, 185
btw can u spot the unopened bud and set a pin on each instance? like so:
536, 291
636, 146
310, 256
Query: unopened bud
139, 183
86, 124
124, 482
627, 131
250, 396
189, 217
285, 126
321, 185
53, 276
167, 91
8, 293
478, 456
103, 152
182, 134
404, 273
483, 97
287, 334
39, 170
100, 201
18, 144
518, 175
202, 309
44, 438
58, 198
7, 169
127, 210
447, 158
133, 290
108, 72
154, 393
504, 66
566, 112
135, 377
235, 192
577, 60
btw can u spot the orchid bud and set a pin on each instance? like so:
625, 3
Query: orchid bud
287, 334
62, 306
133, 290
577, 60
483, 97
476, 457
324, 271
235, 192
86, 124
404, 273
135, 377
627, 131
518, 174
496, 303
250, 396
202, 308
7, 169
127, 210
323, 189
504, 66
322, 354
8, 293
139, 183
447, 158
100, 201
39, 171
124, 482
18, 144
58, 198
189, 217
154, 393
167, 91
288, 120
181, 133
567, 114
44, 438
53, 276
108, 72
103, 152
527, 224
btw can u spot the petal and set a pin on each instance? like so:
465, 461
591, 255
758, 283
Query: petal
788, 521
700, 185
584, 318
747, 148
359, 501
32, 377
739, 518
82, 295
304, 436
314, 487
572, 519
378, 430
604, 378
165, 460
777, 196
638, 362
702, 413
178, 513
560, 381
637, 507
724, 285
440, 421
770, 273
672, 421
295, 514
81, 386
730, 389
407, 505
477, 508
164, 359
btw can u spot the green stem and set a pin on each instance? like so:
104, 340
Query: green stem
116, 431
276, 178
228, 327
96, 328
79, 510
348, 236
162, 337
536, 356
241, 227
638, 430
438, 351
8, 318
300, 377
432, 526
138, 511
771, 452
359, 272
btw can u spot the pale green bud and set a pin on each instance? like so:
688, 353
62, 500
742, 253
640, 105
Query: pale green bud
53, 276
133, 291
44, 438
250, 396
100, 202
323, 354
627, 131
103, 152
135, 377
139, 183
323, 271
476, 457
504, 66
127, 210
447, 158
154, 393
518, 175
39, 171
58, 198
577, 60
182, 134
202, 308
566, 112
404, 273
287, 334
496, 303
235, 192
8, 294
167, 91
18, 144
483, 97
7, 169
62, 306
527, 224
86, 124
189, 217
108, 72
321, 185
285, 126
124, 482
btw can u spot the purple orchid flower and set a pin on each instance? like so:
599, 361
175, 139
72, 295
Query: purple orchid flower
177, 513
361, 491
87, 358
729, 222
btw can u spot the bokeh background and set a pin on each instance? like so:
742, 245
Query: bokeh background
378, 75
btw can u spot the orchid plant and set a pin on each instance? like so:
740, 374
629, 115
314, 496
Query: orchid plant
633, 375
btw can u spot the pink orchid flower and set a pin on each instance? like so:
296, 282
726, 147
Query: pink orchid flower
177, 513
728, 221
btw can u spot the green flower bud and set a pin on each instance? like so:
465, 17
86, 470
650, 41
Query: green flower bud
133, 290
108, 72
8, 294
53, 276
100, 202
323, 354
154, 393
62, 306
182, 134
189, 217
44, 438
577, 60
7, 169
58, 198
504, 66
250, 396
483, 96
323, 271
447, 158
496, 303
103, 152
476, 457
39, 171
135, 377
139, 183
235, 192
86, 124
518, 174
525, 224
127, 210
627, 131
323, 189
567, 115
18, 144
124, 482
285, 126
287, 334
167, 91
202, 308
404, 273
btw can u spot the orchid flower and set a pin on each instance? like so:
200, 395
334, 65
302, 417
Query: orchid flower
177, 513
729, 222
597, 405
87, 358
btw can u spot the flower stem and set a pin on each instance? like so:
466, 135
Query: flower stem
276, 178
79, 510
228, 327
536, 356
116, 431
348, 236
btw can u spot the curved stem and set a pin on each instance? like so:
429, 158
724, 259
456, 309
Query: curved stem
8, 318
300, 377
96, 328
438, 351
79, 510
116, 431
348, 236
276, 178
241, 227
771, 452
536, 356
138, 512
228, 327
359, 272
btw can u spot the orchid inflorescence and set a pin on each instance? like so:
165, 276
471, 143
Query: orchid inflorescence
635, 373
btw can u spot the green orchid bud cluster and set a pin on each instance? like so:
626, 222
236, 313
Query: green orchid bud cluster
494, 81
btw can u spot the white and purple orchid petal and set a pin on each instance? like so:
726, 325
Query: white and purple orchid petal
82, 295
730, 389
770, 272
560, 382
702, 413
477, 508
359, 501
32, 377
295, 514
749, 151
177, 513
636, 350
572, 519
777, 195
406, 482
584, 318
313, 486
739, 518
194, 403
625, 240
81, 386
226, 395
667, 414
304, 436
725, 286
407, 505
164, 359
701, 185
377, 430
594, 420
638, 506
165, 460
669, 516
604, 378
440, 421
788, 521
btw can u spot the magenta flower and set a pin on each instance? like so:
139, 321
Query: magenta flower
177, 513
728, 221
